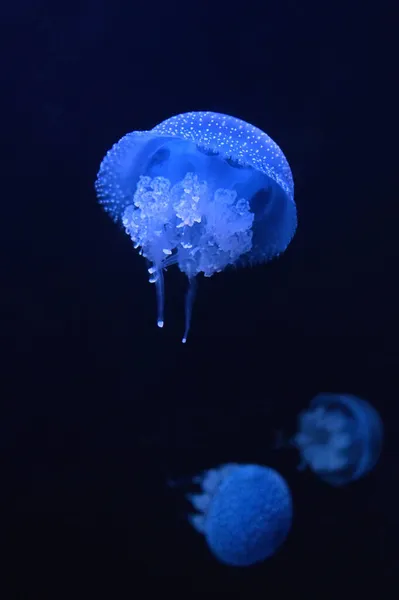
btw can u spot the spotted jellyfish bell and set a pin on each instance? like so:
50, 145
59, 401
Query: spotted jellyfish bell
201, 190
243, 511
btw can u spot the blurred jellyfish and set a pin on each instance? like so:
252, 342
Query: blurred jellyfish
339, 437
244, 512
201, 190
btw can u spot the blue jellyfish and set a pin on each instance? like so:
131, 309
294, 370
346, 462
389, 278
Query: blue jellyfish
339, 437
201, 190
244, 512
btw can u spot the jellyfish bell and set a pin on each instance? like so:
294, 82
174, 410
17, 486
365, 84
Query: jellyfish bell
243, 511
339, 437
203, 191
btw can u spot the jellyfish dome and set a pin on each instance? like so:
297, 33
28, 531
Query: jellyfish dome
339, 437
244, 512
203, 191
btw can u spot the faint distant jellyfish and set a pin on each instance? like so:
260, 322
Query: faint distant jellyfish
339, 437
244, 512
201, 190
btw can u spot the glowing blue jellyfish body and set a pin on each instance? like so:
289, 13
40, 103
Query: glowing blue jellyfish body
201, 190
244, 512
339, 438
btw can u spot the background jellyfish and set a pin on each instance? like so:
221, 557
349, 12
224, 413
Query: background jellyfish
339, 437
201, 190
244, 512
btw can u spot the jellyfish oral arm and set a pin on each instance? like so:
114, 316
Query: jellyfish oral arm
159, 286
156, 276
188, 224
190, 297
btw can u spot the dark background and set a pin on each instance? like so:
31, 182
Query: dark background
99, 408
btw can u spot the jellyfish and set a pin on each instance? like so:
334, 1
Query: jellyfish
339, 438
244, 512
203, 191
